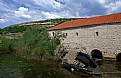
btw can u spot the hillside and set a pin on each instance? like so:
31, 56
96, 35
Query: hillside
34, 24
15, 31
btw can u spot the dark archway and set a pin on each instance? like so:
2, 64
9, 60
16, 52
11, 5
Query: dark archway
118, 57
96, 54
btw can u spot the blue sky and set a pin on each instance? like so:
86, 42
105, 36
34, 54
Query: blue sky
19, 11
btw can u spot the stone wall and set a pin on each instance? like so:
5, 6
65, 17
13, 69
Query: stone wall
105, 37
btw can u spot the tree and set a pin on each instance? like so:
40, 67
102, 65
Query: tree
39, 41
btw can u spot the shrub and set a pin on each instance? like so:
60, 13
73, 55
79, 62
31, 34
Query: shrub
36, 43
6, 46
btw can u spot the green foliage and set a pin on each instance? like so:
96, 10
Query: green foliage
22, 27
35, 43
47, 70
11, 61
14, 29
58, 20
6, 46
14, 67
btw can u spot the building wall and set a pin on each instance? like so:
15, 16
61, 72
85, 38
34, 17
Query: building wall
106, 38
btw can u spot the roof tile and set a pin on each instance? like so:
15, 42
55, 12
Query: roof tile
89, 21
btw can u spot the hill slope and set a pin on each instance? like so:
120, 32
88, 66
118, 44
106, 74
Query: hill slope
34, 24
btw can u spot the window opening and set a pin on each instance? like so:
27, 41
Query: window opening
97, 33
77, 34
66, 34
53, 34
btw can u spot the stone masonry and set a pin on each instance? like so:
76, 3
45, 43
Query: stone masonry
103, 37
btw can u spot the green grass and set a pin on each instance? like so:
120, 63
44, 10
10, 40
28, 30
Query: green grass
13, 62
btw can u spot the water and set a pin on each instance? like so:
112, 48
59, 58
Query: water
110, 69
110, 66
118, 66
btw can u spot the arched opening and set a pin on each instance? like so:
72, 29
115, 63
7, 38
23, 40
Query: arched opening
96, 54
118, 57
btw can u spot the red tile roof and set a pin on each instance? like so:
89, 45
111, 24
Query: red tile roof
89, 21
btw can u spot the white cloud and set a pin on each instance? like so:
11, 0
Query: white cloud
48, 4
54, 14
48, 15
102, 1
22, 12
114, 7
4, 7
22, 9
3, 20
50, 9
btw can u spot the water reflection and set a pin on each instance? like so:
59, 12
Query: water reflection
109, 66
118, 66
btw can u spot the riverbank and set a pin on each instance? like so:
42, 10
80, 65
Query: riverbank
14, 67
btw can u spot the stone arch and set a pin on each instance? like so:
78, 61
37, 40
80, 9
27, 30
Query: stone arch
96, 54
118, 57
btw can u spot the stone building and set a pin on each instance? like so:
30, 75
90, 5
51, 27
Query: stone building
98, 36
